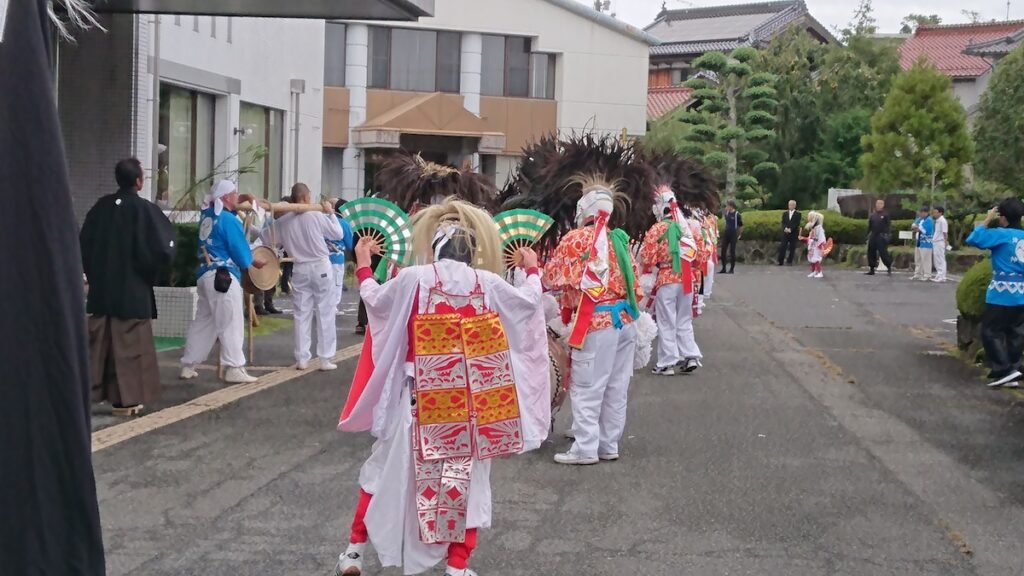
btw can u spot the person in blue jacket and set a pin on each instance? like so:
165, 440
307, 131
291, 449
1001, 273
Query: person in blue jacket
1002, 324
924, 228
223, 254
339, 248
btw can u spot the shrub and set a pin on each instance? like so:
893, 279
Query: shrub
182, 272
970, 295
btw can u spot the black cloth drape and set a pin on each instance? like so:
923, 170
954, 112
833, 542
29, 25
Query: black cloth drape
49, 518
126, 242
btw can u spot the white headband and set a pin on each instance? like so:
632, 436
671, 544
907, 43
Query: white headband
445, 232
219, 190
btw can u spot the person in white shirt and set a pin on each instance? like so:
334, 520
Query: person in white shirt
302, 236
940, 243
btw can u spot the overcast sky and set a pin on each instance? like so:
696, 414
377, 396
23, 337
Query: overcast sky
836, 13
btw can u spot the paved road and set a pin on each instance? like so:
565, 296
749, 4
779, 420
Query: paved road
828, 434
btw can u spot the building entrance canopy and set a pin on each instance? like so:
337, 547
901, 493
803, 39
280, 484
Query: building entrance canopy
326, 9
433, 114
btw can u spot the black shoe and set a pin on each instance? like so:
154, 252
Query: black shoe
723, 271
261, 311
272, 310
732, 272
360, 329
888, 271
870, 272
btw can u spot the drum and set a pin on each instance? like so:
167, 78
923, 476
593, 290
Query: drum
267, 277
560, 360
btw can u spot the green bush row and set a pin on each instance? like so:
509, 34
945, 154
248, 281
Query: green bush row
766, 225
970, 294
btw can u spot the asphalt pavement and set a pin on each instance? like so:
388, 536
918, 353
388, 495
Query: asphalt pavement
829, 433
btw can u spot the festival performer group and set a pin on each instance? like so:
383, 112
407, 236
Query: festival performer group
486, 310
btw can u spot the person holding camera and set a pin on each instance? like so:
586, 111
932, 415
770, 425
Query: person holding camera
879, 230
1002, 323
223, 254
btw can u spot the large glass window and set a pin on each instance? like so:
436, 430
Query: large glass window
449, 61
379, 56
492, 71
334, 56
517, 69
542, 76
186, 135
260, 151
413, 58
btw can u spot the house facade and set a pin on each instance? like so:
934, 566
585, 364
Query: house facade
474, 84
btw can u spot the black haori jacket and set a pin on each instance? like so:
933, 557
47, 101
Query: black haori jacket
126, 243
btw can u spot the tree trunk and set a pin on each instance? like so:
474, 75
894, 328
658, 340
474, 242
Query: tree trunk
731, 169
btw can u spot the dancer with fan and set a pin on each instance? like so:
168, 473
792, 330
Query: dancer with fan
450, 337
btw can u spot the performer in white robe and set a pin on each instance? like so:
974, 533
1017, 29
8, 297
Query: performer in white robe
425, 490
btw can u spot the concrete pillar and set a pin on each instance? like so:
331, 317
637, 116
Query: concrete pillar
356, 78
225, 141
472, 61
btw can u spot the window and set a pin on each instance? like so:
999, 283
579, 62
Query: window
508, 68
517, 67
261, 140
492, 67
186, 133
413, 59
334, 58
679, 76
419, 60
542, 76
449, 61
379, 56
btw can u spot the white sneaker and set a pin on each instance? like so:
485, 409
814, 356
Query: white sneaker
574, 460
188, 372
327, 366
302, 365
811, 275
1007, 380
449, 571
940, 280
819, 275
238, 376
608, 457
351, 562
665, 371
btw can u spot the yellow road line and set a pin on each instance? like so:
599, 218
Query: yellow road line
120, 432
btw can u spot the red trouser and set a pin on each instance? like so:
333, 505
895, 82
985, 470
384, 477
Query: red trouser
458, 552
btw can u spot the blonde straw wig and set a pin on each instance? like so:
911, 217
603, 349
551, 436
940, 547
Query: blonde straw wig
476, 224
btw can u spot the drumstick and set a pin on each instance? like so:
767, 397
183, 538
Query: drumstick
252, 320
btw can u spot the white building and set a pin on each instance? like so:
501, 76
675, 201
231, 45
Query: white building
475, 84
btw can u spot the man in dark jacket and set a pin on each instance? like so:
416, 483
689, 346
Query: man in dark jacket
126, 241
790, 234
879, 228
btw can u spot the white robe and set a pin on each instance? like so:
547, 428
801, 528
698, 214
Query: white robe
384, 406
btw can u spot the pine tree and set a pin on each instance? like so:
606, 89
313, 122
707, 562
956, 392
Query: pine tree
919, 139
735, 114
999, 126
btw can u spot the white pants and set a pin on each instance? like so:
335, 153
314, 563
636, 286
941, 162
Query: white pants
923, 263
709, 280
939, 257
598, 387
218, 317
675, 325
339, 282
313, 294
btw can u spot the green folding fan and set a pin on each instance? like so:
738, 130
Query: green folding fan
520, 228
384, 222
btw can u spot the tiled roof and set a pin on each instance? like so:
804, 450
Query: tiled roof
699, 30
944, 46
1000, 47
661, 101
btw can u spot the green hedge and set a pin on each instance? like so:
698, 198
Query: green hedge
766, 225
182, 272
970, 295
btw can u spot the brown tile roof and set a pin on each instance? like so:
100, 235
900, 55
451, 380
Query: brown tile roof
944, 46
663, 100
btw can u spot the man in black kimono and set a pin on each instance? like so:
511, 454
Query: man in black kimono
50, 521
126, 241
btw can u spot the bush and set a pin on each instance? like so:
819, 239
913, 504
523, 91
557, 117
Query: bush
970, 295
182, 273
766, 225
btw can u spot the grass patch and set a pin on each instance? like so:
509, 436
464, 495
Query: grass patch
269, 325
165, 343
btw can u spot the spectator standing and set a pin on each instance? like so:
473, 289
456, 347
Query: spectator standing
790, 234
924, 229
940, 243
732, 234
879, 229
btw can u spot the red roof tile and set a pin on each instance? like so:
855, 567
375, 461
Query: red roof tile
943, 46
662, 100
